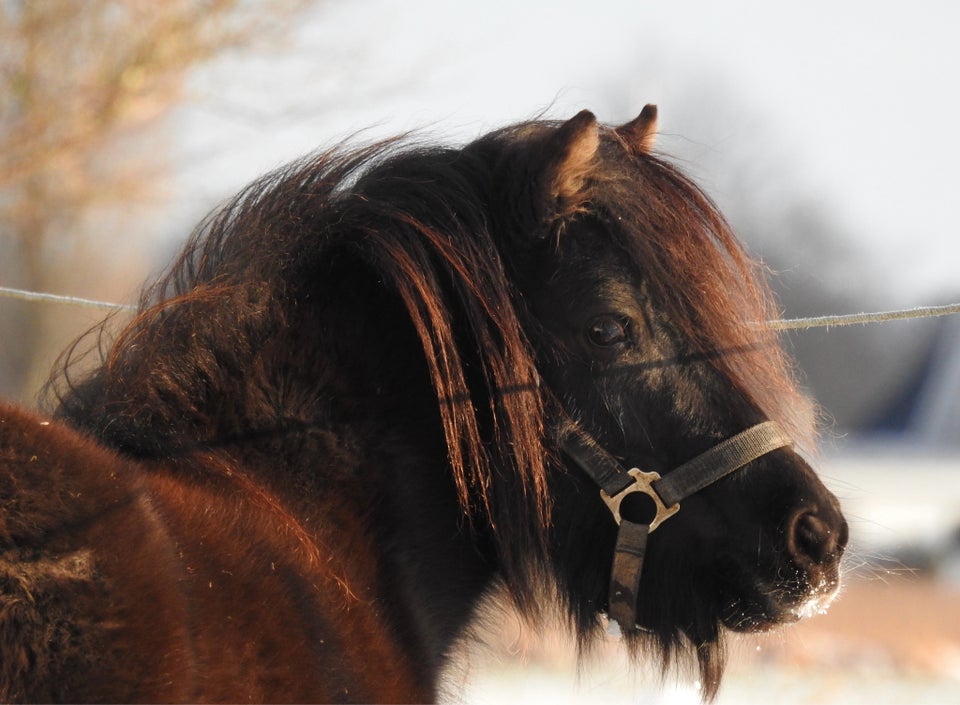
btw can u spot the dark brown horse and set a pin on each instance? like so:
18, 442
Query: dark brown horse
381, 383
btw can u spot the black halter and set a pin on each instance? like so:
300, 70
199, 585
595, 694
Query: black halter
641, 501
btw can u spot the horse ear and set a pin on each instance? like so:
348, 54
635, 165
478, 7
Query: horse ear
572, 149
640, 133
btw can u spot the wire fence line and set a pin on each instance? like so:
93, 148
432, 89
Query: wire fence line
24, 295
777, 324
862, 318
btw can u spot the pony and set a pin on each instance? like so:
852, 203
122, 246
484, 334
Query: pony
388, 380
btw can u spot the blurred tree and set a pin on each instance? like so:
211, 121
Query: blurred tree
83, 86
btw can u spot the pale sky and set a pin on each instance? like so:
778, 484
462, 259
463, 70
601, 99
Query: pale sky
855, 104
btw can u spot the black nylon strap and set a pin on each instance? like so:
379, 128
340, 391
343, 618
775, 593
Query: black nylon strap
594, 460
676, 485
720, 461
625, 574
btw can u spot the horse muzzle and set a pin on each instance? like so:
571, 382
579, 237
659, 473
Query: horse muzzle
802, 573
660, 499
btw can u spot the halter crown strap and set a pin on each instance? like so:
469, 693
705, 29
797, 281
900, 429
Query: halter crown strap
666, 493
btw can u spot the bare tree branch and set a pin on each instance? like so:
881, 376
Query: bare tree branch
82, 84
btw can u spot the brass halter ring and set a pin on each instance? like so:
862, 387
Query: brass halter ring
644, 485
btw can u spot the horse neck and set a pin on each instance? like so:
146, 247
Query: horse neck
363, 435
327, 405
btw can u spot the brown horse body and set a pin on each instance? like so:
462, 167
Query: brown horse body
124, 581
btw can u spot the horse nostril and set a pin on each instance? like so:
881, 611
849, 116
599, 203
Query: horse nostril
811, 539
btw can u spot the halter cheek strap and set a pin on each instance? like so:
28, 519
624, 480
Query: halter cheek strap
641, 501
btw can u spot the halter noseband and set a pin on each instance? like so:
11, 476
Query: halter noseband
622, 490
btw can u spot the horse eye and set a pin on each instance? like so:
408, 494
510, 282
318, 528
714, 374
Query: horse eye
608, 331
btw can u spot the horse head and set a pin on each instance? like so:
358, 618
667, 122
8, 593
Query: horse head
646, 317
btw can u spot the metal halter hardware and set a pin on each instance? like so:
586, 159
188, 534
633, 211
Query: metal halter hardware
644, 485
617, 484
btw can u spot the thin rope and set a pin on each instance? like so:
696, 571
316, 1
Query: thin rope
25, 295
778, 324
863, 318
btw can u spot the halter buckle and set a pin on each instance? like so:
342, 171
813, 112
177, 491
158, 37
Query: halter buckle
643, 483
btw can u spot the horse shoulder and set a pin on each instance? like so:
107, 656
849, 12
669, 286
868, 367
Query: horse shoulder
284, 607
86, 609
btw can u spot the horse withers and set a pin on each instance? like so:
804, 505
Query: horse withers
385, 381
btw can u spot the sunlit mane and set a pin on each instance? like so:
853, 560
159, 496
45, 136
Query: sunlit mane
716, 294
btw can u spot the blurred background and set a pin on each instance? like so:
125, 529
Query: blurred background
827, 132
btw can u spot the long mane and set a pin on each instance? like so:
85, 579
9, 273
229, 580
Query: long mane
190, 369
707, 284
